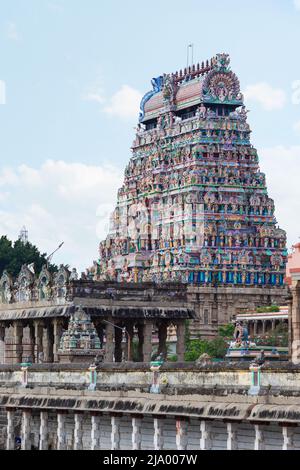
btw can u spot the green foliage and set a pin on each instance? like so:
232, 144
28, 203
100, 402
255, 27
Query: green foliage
227, 331
215, 348
173, 358
279, 337
271, 309
14, 255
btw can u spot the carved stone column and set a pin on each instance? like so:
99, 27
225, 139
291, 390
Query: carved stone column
32, 341
44, 445
26, 428
180, 346
295, 289
118, 345
78, 431
259, 443
181, 434
95, 433
255, 327
49, 343
39, 332
109, 346
115, 432
205, 440
158, 434
264, 327
18, 338
147, 344
61, 431
232, 436
10, 439
136, 433
2, 343
288, 438
162, 337
57, 333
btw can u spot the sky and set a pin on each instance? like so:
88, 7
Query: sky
72, 74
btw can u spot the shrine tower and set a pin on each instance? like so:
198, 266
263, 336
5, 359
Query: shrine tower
194, 207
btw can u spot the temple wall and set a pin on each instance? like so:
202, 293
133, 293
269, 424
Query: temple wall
245, 434
184, 375
208, 407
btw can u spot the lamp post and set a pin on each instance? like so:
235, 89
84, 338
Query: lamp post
123, 329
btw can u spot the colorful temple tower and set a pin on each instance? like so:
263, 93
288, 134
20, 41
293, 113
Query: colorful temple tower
194, 206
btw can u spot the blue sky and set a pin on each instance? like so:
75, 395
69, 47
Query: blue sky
73, 74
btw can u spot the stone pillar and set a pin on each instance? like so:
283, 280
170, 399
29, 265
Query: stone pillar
43, 431
39, 331
32, 341
95, 433
180, 346
109, 345
118, 345
205, 440
255, 327
136, 433
61, 431
288, 438
2, 343
264, 327
290, 326
273, 325
10, 439
115, 432
49, 343
259, 443
295, 289
158, 434
78, 431
26, 428
232, 436
181, 434
130, 332
162, 337
140, 329
147, 344
18, 338
57, 333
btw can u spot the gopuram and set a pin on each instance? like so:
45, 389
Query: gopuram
194, 207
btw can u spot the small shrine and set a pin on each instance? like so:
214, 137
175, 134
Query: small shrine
80, 343
242, 348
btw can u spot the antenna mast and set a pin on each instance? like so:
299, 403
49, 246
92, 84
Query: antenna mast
23, 236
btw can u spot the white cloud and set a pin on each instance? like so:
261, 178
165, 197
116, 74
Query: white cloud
297, 127
282, 167
124, 103
297, 4
2, 92
57, 202
95, 96
296, 92
12, 32
270, 98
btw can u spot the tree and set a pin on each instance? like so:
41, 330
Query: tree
227, 331
14, 255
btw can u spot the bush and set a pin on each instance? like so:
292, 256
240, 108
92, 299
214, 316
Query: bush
173, 358
227, 331
271, 309
215, 348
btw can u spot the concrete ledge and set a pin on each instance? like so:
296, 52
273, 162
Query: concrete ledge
167, 367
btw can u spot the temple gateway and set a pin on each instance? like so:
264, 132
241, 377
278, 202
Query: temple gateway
194, 206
